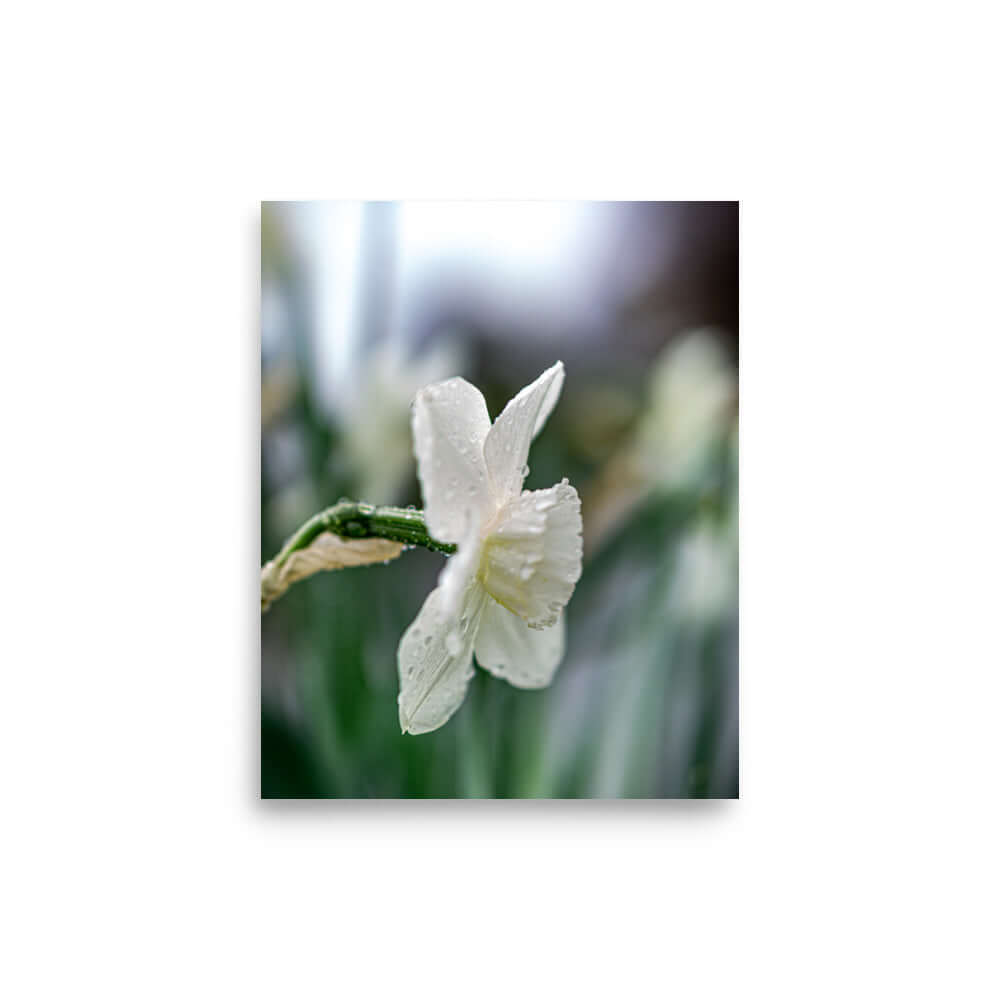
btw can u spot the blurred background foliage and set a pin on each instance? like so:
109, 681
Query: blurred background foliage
364, 303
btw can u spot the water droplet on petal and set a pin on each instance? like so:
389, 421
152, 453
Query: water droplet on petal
453, 643
527, 573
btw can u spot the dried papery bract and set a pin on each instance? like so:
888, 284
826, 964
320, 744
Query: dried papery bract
326, 552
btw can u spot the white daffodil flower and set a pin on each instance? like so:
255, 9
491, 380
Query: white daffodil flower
519, 552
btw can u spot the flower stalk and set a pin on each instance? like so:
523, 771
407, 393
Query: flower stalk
364, 520
352, 522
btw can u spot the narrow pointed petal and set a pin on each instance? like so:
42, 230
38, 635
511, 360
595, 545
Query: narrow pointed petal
435, 660
450, 424
510, 437
532, 558
508, 648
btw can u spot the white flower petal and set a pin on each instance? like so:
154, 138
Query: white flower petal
509, 439
508, 648
450, 424
435, 660
531, 559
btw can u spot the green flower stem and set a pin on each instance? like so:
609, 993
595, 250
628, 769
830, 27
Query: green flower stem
364, 520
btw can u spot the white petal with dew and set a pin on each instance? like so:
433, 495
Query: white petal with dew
450, 424
435, 660
532, 558
507, 647
509, 439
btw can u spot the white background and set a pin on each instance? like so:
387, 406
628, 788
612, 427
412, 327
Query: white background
861, 858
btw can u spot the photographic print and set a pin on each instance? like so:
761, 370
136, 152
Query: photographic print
499, 499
